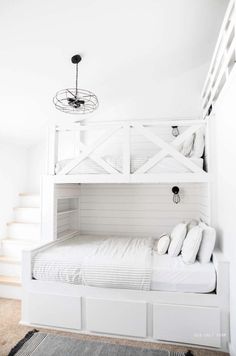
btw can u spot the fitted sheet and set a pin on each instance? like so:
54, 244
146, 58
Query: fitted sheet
64, 263
172, 274
166, 165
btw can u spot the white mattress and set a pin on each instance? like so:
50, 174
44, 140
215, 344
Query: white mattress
166, 165
172, 274
64, 262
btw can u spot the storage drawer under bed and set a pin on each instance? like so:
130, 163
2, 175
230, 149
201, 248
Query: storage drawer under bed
187, 324
116, 317
55, 310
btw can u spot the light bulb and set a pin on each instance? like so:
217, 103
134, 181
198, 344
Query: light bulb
175, 131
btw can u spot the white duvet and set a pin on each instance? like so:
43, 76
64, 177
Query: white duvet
98, 261
116, 262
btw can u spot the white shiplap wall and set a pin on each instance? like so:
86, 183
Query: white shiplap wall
139, 209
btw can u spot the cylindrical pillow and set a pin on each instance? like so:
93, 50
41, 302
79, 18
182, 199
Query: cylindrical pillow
188, 146
199, 144
191, 245
207, 244
163, 244
177, 238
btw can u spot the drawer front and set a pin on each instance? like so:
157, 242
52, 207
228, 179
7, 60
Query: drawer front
55, 310
116, 317
187, 324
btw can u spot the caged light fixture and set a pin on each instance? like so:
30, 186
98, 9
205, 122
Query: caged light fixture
176, 197
175, 131
75, 100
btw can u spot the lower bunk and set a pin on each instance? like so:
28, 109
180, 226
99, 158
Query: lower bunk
72, 286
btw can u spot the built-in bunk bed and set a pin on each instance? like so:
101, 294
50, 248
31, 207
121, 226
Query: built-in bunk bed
106, 202
104, 212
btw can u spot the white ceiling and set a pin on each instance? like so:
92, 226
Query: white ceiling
143, 58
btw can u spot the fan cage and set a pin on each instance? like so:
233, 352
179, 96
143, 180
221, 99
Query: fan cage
61, 101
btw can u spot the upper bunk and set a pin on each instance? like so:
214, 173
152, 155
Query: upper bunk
223, 61
157, 151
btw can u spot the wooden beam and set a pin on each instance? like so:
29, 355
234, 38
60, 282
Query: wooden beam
68, 167
100, 161
126, 149
163, 153
167, 147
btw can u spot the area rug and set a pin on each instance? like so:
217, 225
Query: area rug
42, 344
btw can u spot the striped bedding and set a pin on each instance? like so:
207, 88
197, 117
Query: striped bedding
108, 262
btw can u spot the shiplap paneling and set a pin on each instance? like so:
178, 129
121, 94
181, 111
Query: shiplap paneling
139, 209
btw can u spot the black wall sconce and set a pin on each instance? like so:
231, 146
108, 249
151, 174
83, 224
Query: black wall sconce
176, 197
175, 131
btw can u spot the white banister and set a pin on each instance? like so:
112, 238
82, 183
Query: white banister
222, 61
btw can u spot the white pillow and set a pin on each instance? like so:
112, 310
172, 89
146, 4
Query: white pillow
177, 238
191, 224
199, 144
188, 146
191, 245
207, 244
162, 244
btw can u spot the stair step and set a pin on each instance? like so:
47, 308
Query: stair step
10, 266
27, 215
14, 247
9, 259
29, 200
23, 230
10, 280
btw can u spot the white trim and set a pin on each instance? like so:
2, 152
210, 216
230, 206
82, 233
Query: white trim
232, 351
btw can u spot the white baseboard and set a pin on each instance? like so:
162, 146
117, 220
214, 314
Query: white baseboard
232, 350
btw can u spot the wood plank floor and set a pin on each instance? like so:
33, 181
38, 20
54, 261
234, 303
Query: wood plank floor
11, 332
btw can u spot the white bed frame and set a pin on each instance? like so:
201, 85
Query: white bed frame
194, 319
141, 175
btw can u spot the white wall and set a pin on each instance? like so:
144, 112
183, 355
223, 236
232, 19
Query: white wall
13, 173
37, 163
223, 165
138, 209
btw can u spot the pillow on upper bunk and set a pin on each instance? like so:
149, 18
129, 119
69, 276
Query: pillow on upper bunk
199, 144
177, 238
188, 146
191, 245
162, 244
207, 244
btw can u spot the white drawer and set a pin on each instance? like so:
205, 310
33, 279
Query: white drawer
55, 310
187, 324
116, 317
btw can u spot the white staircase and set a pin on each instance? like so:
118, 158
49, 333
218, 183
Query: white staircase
22, 233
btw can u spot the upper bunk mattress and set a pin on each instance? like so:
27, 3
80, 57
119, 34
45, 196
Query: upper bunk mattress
124, 263
166, 165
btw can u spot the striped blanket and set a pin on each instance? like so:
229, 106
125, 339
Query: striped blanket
110, 262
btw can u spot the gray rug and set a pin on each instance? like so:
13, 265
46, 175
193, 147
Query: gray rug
42, 344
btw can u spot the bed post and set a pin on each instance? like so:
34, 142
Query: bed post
126, 150
52, 148
222, 291
48, 209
